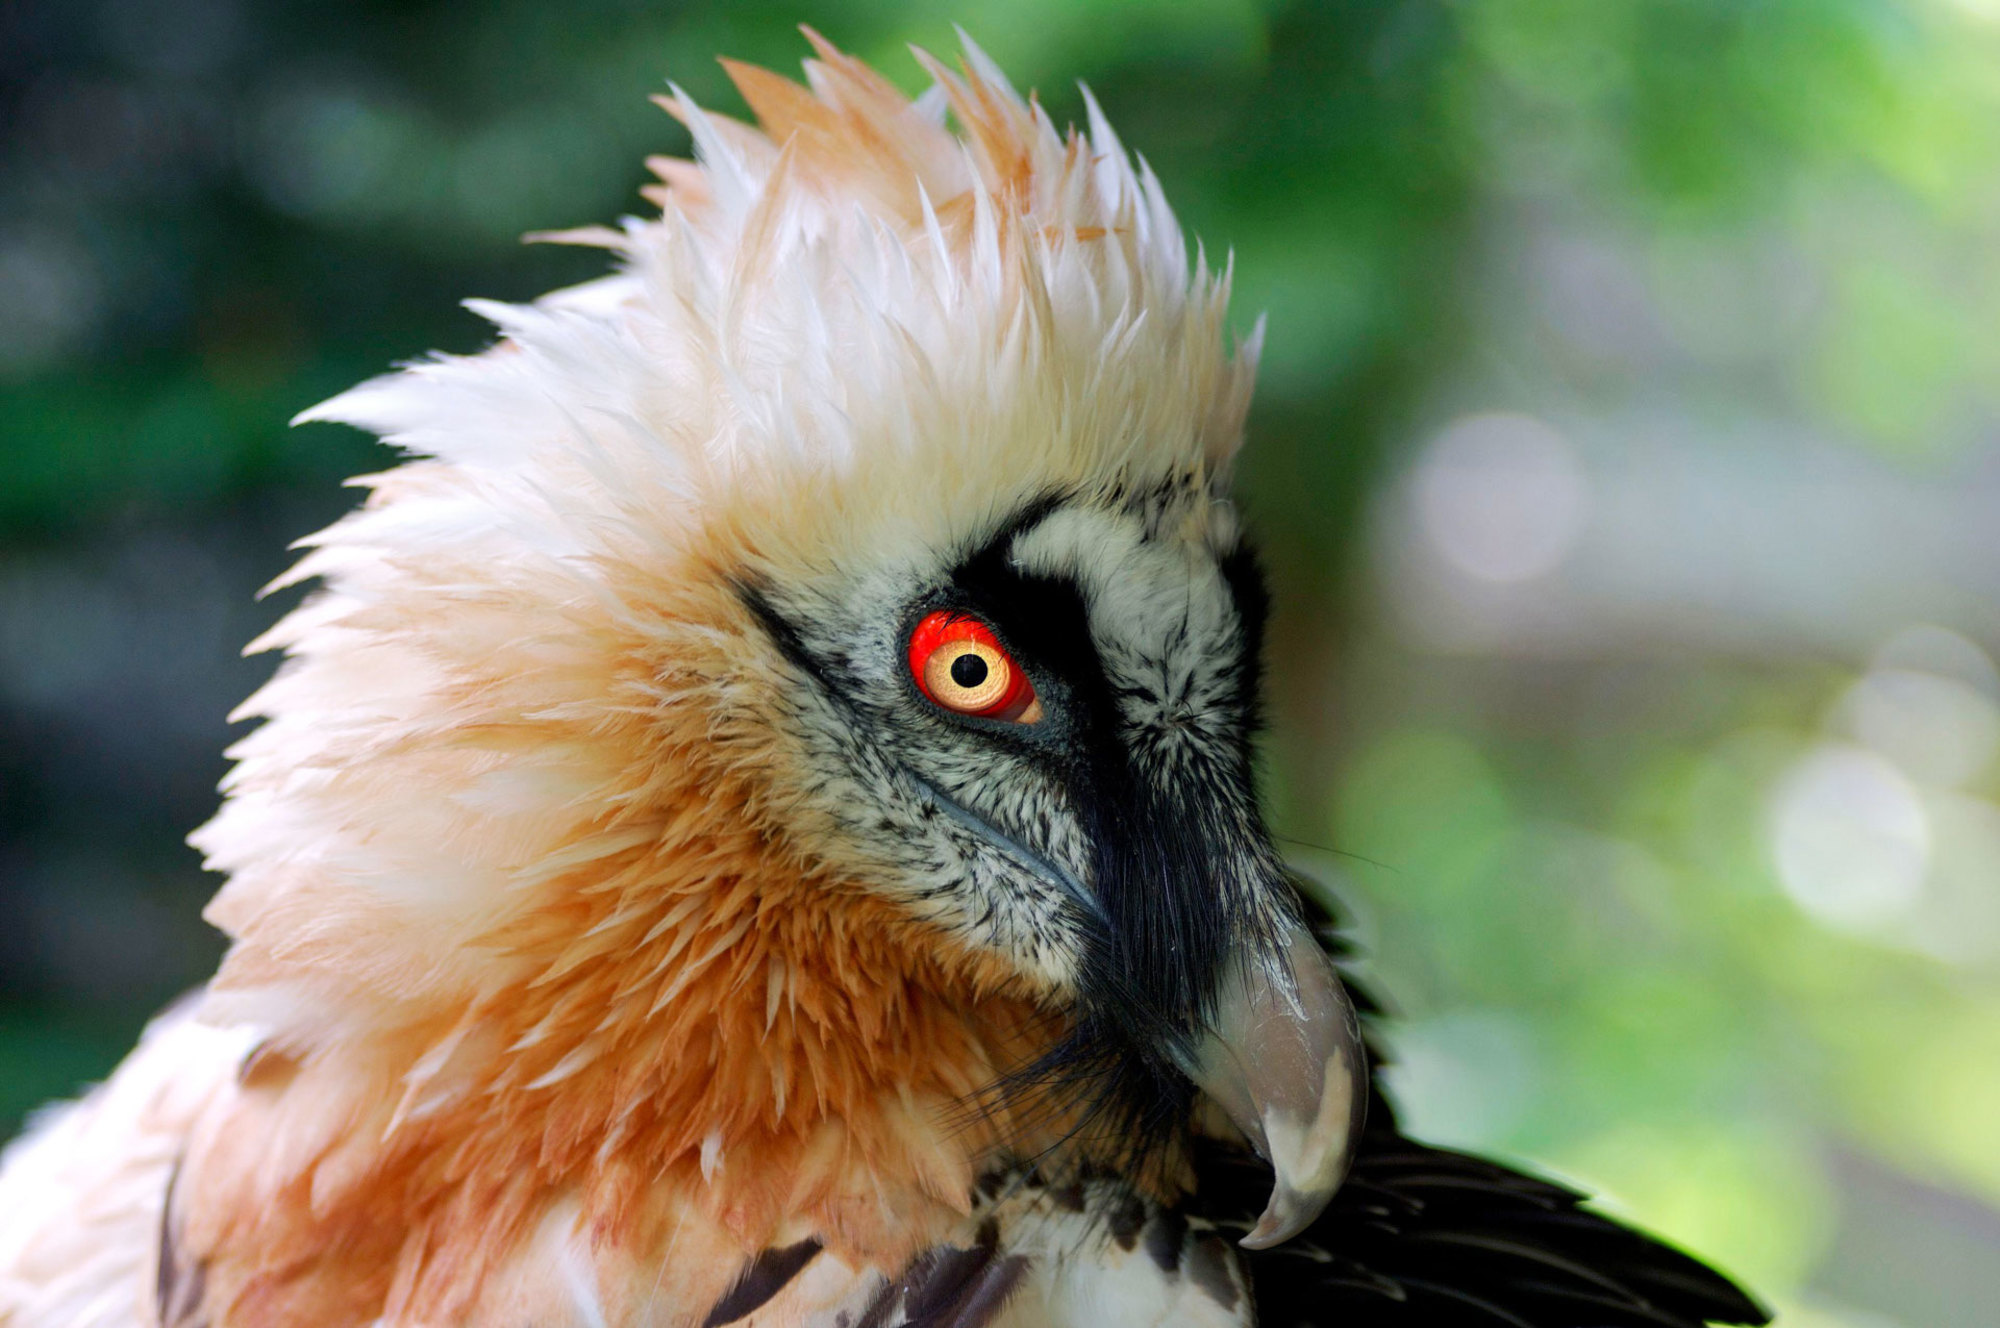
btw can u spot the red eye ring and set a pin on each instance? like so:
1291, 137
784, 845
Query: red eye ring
960, 665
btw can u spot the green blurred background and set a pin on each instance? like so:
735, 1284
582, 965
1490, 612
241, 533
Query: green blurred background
1626, 461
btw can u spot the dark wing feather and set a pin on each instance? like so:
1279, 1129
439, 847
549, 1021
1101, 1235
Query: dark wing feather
1423, 1237
1426, 1237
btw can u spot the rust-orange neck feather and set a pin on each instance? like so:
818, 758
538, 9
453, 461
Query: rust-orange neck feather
695, 1026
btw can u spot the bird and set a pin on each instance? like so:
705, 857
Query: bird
755, 822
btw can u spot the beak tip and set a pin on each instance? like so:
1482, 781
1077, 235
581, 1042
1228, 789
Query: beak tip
1288, 1213
1285, 1061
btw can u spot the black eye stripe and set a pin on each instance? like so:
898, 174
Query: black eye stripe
1042, 622
1045, 622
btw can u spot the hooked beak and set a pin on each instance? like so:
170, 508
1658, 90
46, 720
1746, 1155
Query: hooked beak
1283, 1058
1281, 1054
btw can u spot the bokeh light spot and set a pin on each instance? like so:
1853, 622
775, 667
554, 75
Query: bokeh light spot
1850, 837
1938, 729
1501, 497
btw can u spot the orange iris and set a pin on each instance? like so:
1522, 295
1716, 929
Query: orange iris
959, 664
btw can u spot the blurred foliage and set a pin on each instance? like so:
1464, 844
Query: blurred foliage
1759, 222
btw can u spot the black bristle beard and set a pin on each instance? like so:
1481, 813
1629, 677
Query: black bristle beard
1148, 987
1119, 1107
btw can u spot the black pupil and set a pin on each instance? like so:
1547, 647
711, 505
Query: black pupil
968, 670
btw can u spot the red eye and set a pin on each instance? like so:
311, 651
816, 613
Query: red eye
958, 664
